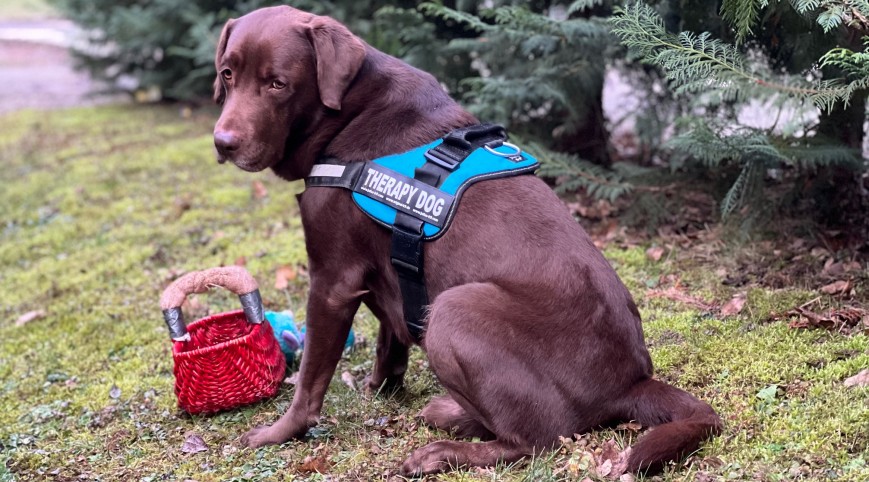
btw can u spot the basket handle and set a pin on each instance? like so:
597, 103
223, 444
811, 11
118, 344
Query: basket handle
233, 278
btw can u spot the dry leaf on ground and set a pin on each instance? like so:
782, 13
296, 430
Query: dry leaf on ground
283, 276
259, 190
675, 294
30, 316
654, 253
193, 444
734, 306
319, 464
859, 380
837, 287
632, 426
348, 380
847, 320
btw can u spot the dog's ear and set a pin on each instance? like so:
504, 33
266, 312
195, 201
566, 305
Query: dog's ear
339, 56
219, 91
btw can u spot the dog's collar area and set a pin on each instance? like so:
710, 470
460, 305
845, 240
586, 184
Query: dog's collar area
416, 194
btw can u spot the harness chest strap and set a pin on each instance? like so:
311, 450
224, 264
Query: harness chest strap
416, 209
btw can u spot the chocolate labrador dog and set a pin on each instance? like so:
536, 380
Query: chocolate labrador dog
530, 330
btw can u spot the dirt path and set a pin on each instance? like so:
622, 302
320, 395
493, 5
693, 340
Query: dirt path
37, 70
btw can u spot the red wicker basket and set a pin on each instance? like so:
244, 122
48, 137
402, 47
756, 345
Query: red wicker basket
225, 360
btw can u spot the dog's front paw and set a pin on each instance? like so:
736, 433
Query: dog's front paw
431, 459
378, 385
262, 436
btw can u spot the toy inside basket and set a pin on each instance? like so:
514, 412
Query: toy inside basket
226, 360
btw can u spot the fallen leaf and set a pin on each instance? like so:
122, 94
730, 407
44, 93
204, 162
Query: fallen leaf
193, 444
240, 261
317, 464
259, 190
836, 287
833, 269
819, 252
852, 266
846, 320
609, 451
627, 478
675, 294
611, 463
632, 426
605, 468
654, 253
859, 380
734, 306
30, 316
283, 276
348, 380
115, 392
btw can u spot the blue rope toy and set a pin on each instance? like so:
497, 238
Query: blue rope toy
290, 337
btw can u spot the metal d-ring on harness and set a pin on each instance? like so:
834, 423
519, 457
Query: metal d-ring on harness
410, 225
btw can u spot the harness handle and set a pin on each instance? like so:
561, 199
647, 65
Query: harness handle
468, 138
233, 278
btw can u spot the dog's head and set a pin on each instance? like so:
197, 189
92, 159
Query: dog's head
278, 70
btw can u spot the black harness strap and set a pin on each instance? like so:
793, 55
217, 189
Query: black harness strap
406, 254
407, 260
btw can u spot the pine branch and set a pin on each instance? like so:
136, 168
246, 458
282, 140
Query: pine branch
853, 63
743, 15
580, 5
471, 21
736, 194
693, 63
580, 174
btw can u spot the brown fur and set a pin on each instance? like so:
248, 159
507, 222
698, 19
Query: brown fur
530, 330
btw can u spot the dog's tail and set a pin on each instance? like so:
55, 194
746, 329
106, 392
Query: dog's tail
681, 423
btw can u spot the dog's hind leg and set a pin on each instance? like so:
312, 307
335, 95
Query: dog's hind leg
487, 367
444, 413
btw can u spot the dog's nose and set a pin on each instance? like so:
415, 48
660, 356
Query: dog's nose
225, 142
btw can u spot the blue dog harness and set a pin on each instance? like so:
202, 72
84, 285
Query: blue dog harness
415, 194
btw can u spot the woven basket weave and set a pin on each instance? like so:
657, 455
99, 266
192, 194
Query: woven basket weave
222, 361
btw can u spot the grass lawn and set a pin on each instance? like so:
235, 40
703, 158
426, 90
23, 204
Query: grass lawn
101, 207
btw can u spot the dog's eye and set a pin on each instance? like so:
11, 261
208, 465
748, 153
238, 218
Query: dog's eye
227, 74
278, 85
